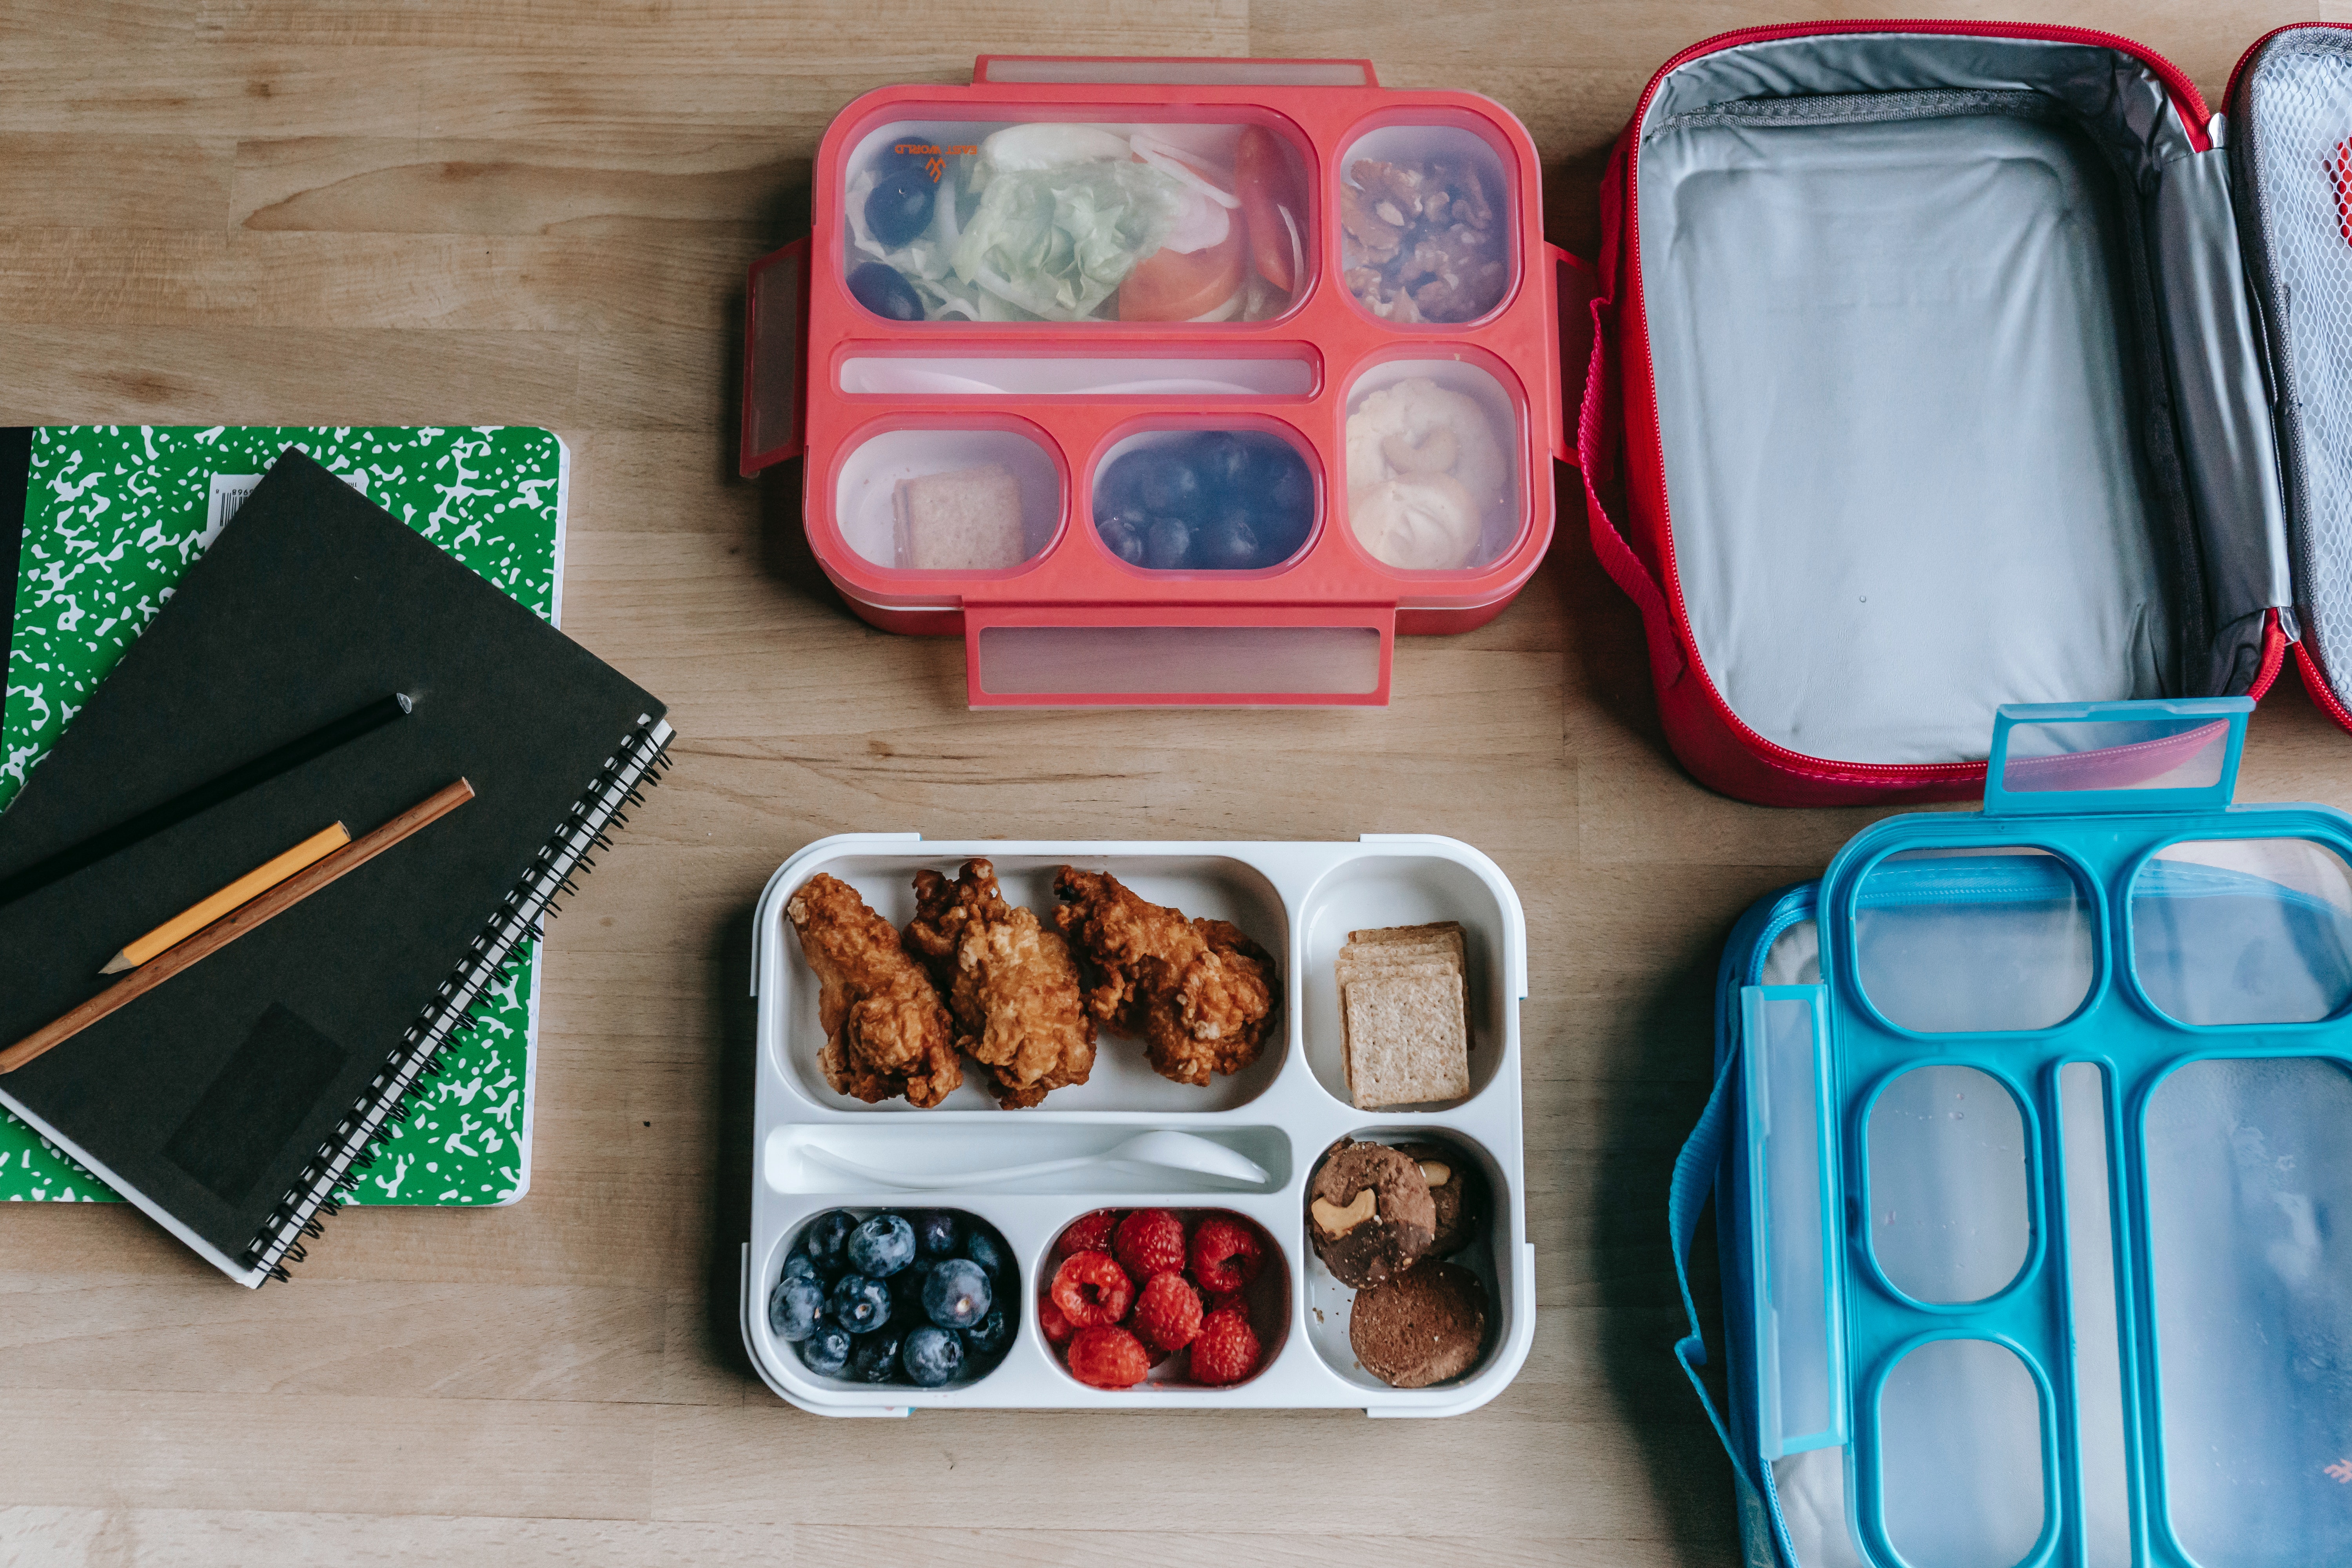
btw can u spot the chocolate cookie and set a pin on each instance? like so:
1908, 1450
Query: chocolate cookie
1425, 1326
1369, 1212
1456, 1188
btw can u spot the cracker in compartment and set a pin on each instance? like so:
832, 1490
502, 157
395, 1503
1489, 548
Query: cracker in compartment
1403, 1014
967, 520
1406, 1041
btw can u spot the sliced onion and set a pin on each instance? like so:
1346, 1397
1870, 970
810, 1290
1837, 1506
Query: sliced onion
1203, 225
1226, 312
1170, 160
852, 199
943, 215
1048, 144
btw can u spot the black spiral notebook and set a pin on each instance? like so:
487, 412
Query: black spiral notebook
233, 1100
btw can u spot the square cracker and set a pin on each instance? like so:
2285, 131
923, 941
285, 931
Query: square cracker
1442, 936
1407, 1039
967, 520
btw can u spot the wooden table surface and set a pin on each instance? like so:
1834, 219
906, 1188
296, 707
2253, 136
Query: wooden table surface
533, 212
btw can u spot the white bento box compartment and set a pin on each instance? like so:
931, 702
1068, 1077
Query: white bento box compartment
1299, 900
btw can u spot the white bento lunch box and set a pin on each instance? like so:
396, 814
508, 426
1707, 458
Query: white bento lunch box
1300, 902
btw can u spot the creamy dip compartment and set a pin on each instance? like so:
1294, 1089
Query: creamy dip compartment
1434, 460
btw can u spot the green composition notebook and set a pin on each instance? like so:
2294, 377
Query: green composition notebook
113, 514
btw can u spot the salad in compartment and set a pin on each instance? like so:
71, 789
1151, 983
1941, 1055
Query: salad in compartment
1054, 221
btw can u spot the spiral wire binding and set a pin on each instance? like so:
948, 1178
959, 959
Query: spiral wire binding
635, 767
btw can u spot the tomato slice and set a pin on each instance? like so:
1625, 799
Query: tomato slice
1177, 285
1262, 180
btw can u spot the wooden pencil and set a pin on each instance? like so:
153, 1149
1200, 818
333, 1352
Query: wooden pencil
235, 924
242, 891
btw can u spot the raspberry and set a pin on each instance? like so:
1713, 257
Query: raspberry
1055, 1327
1226, 1351
1168, 1312
1088, 1233
1091, 1291
1224, 1298
1225, 1256
1105, 1357
1150, 1241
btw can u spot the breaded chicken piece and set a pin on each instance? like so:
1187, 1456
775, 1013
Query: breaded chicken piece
1199, 994
885, 1032
1010, 985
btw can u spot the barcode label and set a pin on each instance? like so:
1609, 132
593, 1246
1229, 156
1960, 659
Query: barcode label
228, 493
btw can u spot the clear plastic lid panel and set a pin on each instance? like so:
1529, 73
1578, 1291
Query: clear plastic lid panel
1953, 941
2249, 1180
2256, 931
961, 500
1061, 221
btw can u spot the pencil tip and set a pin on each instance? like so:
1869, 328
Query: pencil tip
117, 964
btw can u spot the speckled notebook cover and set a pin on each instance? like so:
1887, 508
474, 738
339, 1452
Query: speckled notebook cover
113, 515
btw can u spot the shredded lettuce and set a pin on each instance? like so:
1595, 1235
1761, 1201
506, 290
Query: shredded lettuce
1010, 241
1056, 243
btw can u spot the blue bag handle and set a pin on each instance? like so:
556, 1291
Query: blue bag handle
1695, 1169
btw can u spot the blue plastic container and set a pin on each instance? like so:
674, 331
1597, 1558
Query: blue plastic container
2031, 1139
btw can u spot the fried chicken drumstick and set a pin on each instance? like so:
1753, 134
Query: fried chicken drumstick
885, 1032
1010, 983
1198, 993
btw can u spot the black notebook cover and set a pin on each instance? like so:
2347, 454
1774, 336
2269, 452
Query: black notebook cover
228, 1100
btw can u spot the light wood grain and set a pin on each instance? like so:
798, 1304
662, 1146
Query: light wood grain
530, 211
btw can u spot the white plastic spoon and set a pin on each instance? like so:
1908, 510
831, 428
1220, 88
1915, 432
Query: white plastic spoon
1160, 1148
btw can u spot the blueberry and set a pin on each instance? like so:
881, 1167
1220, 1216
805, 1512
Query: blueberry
1230, 543
1280, 533
1118, 485
1276, 469
801, 1266
824, 1238
878, 287
988, 1252
825, 1351
932, 1356
900, 207
1291, 491
1167, 543
1169, 485
937, 1231
1220, 459
875, 1358
907, 1287
859, 1304
882, 1245
989, 1336
1121, 538
795, 1309
956, 1296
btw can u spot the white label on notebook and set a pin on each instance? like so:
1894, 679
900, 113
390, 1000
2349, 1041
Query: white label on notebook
230, 491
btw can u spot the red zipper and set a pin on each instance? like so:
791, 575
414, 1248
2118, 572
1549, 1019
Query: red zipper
2316, 684
2306, 662
2186, 97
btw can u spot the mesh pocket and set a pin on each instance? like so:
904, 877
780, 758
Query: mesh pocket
2296, 154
